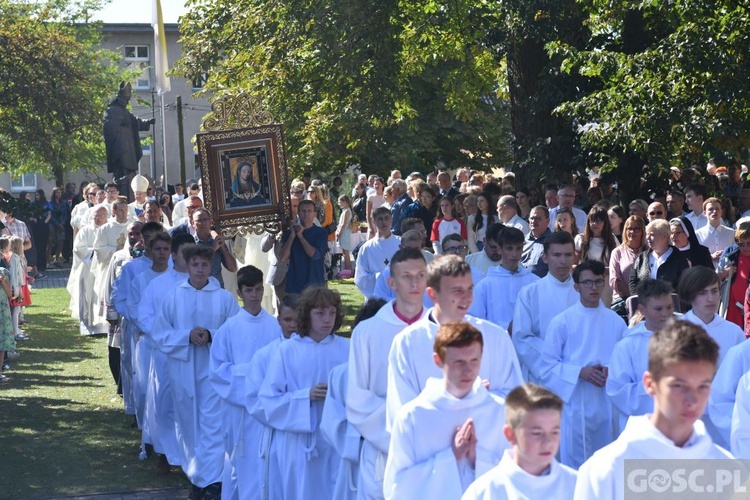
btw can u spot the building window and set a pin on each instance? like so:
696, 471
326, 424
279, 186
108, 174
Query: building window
27, 182
199, 81
137, 58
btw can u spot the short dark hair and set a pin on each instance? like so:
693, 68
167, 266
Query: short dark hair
380, 210
493, 232
198, 251
152, 227
456, 334
181, 239
111, 184
302, 203
695, 279
558, 238
404, 254
594, 266
290, 300
313, 297
510, 236
527, 398
160, 236
368, 310
697, 189
409, 223
680, 341
650, 288
194, 186
249, 276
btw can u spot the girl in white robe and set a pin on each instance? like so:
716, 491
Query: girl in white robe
293, 392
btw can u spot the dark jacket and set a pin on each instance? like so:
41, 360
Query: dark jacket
670, 271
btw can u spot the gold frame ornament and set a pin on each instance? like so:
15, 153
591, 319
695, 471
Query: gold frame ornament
243, 167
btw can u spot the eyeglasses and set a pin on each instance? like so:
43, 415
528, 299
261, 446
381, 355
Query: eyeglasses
592, 283
112, 191
458, 249
298, 191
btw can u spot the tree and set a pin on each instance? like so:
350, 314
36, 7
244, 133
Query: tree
54, 85
671, 81
335, 73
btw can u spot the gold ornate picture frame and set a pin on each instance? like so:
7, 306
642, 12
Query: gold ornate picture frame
243, 169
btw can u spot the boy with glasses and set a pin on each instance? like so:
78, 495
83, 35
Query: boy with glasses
575, 356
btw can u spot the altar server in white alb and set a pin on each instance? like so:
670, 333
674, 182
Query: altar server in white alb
495, 295
681, 364
190, 316
449, 285
266, 481
376, 253
234, 345
699, 287
452, 432
575, 357
159, 412
730, 387
630, 357
541, 301
293, 392
529, 470
368, 365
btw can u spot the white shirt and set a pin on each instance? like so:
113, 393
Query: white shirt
698, 221
715, 238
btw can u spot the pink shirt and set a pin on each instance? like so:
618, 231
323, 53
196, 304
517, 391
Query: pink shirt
620, 265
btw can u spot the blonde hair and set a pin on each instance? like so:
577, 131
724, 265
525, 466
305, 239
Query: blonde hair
16, 245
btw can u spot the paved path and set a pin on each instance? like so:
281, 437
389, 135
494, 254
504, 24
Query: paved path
54, 278
147, 494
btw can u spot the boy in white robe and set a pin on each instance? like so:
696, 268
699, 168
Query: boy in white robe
368, 365
541, 301
293, 392
700, 287
495, 295
376, 253
159, 411
82, 282
450, 286
234, 345
529, 470
190, 316
726, 389
451, 433
740, 419
630, 357
575, 356
681, 363
160, 245
266, 484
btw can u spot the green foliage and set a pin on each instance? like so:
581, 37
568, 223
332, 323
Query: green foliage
337, 74
54, 86
671, 80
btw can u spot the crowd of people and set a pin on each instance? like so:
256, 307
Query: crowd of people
513, 342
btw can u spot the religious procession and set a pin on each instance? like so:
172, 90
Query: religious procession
456, 252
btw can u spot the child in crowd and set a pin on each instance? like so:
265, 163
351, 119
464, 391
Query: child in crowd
7, 342
344, 235
446, 223
234, 345
682, 361
293, 392
266, 480
19, 288
529, 470
434, 450
630, 357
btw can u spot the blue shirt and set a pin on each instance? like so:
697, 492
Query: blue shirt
533, 249
306, 271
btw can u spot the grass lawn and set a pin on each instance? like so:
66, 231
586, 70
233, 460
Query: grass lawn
63, 428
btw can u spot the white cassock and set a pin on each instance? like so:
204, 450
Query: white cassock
128, 337
308, 464
234, 345
421, 463
724, 332
341, 435
254, 256
385, 292
373, 257
740, 426
159, 415
410, 362
724, 389
179, 213
197, 405
581, 336
267, 482
368, 380
536, 305
507, 481
79, 215
495, 295
87, 276
625, 379
480, 261
602, 476
141, 359
83, 253
135, 209
111, 237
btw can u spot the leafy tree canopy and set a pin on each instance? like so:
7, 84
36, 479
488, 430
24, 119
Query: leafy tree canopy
54, 86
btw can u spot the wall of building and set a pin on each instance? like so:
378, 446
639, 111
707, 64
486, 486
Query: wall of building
117, 37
